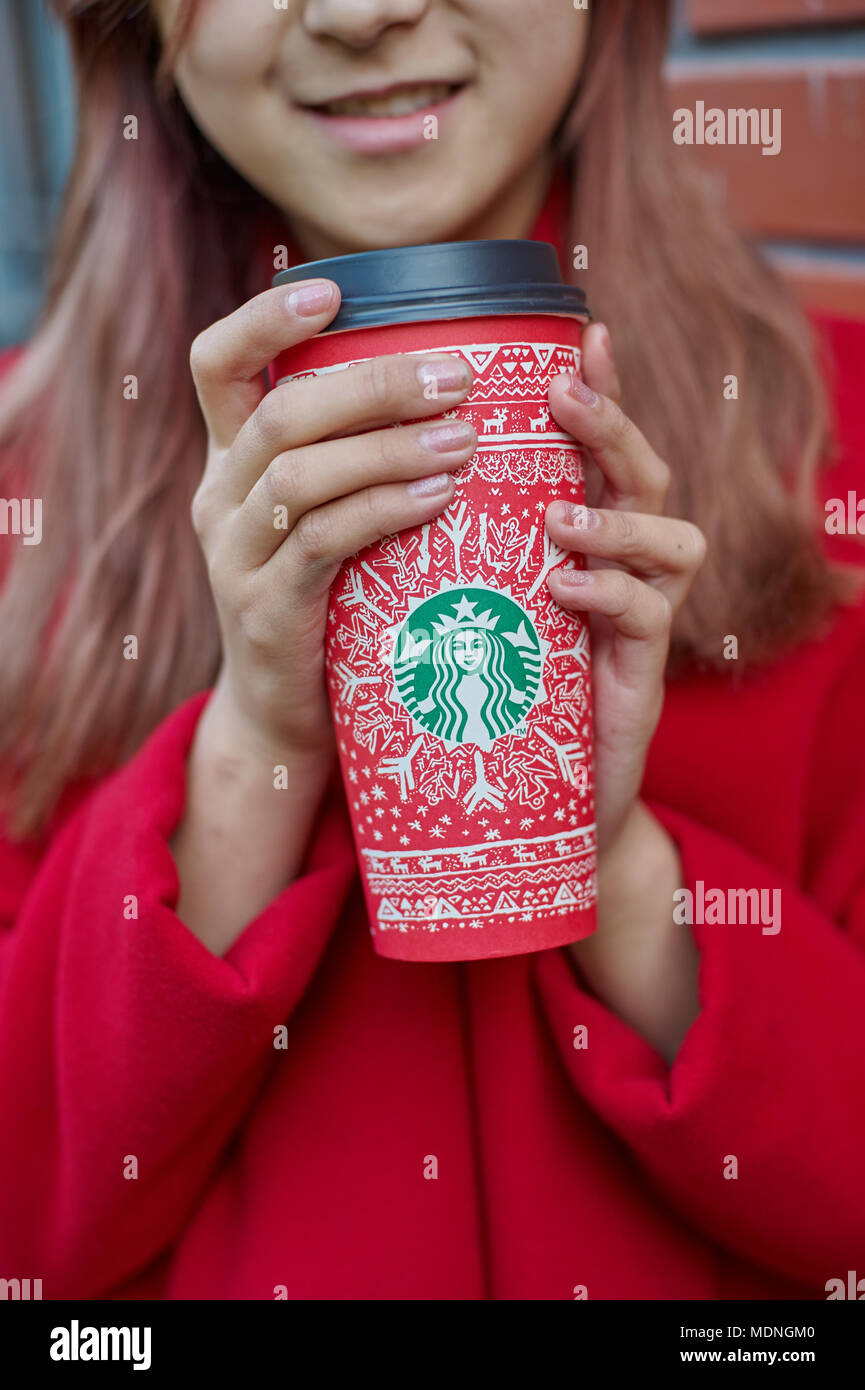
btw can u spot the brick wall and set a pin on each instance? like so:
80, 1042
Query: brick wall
806, 59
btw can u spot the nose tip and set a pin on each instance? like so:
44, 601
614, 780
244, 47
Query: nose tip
359, 23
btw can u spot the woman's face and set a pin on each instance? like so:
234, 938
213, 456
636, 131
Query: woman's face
469, 650
456, 142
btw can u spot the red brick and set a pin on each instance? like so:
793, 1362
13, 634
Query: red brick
723, 16
814, 188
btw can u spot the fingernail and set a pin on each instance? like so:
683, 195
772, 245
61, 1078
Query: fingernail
574, 576
581, 517
311, 299
428, 487
580, 391
452, 374
447, 439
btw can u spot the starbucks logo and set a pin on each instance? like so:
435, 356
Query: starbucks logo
468, 664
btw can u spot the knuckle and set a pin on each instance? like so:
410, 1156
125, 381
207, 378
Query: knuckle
380, 387
267, 420
369, 502
258, 315
619, 427
281, 478
202, 355
392, 449
628, 533
628, 590
313, 535
376, 512
201, 510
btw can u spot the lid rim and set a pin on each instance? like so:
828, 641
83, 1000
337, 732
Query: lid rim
437, 280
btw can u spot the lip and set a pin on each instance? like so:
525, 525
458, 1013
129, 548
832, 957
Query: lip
383, 134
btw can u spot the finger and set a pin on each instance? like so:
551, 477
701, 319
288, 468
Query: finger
598, 362
309, 559
227, 358
403, 386
304, 479
636, 478
662, 550
640, 614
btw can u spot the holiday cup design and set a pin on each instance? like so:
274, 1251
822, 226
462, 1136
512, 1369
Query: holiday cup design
460, 689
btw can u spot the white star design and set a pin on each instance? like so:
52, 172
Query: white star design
465, 608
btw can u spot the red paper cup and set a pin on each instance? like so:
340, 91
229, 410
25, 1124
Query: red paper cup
460, 689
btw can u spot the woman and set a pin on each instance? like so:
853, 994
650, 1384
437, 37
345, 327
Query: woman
214, 1087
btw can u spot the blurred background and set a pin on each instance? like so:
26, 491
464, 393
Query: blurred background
806, 206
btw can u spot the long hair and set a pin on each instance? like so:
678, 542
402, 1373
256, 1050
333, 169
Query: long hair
452, 716
99, 418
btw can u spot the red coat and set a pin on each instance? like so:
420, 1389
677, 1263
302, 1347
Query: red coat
304, 1167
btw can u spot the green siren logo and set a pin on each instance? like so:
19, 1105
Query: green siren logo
468, 663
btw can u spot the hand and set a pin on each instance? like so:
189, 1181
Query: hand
640, 566
296, 480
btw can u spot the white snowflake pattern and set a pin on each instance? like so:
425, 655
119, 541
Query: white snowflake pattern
524, 774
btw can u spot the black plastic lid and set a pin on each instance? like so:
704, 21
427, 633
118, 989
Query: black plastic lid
447, 280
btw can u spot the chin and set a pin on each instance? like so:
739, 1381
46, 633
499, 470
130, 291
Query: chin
378, 233
366, 217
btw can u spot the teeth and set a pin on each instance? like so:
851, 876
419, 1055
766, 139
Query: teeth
397, 104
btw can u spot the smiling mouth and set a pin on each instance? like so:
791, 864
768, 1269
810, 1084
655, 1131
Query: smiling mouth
399, 101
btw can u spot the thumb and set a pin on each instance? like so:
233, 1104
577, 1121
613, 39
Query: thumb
227, 358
